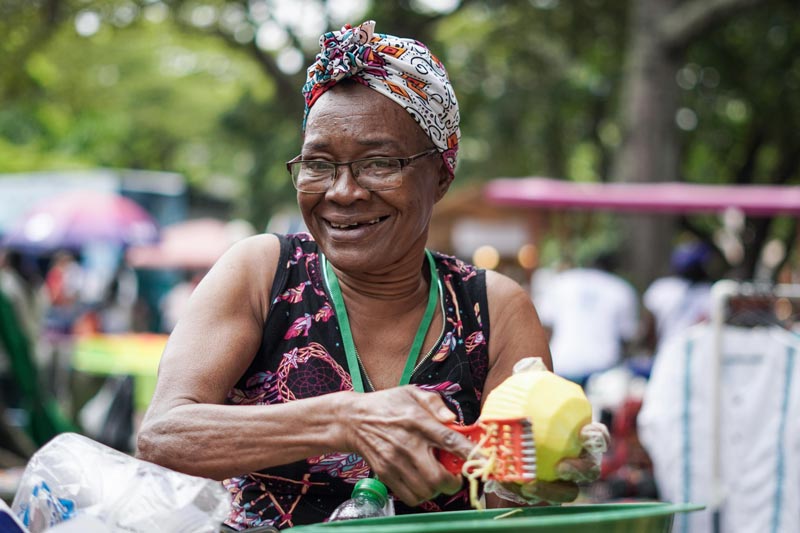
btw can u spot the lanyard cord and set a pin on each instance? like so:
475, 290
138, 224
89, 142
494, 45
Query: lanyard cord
347, 335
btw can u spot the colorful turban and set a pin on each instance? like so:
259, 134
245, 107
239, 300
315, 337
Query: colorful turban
398, 68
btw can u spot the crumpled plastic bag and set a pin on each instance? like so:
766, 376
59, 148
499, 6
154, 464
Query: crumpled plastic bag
73, 475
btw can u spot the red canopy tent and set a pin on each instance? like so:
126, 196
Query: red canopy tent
671, 197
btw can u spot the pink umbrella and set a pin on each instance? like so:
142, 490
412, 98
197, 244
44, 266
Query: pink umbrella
77, 218
193, 244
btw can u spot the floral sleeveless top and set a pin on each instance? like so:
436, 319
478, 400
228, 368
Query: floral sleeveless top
302, 356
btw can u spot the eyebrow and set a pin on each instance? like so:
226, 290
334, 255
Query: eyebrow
368, 143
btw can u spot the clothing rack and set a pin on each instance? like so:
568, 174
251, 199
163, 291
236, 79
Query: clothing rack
722, 292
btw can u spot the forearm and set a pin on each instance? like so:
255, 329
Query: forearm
220, 441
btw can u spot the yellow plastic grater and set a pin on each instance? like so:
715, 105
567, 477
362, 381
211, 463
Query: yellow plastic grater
557, 407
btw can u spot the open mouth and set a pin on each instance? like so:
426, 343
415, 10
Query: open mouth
356, 225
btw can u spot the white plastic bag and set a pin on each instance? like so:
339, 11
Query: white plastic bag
73, 475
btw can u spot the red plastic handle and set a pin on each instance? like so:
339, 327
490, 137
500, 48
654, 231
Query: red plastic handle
453, 463
512, 438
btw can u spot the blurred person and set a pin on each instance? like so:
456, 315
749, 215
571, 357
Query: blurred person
21, 282
63, 279
591, 315
21, 285
62, 284
114, 313
17, 315
544, 275
675, 302
307, 362
21, 347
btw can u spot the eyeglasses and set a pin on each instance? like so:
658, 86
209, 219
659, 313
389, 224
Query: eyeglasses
373, 174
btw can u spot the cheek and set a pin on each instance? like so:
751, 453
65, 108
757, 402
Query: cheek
306, 203
420, 207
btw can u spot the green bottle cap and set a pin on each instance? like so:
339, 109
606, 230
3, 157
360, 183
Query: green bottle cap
373, 488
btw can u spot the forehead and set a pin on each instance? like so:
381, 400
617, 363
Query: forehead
351, 112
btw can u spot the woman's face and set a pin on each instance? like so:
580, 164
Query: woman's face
358, 229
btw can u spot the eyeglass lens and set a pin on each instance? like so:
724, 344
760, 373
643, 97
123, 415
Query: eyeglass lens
372, 174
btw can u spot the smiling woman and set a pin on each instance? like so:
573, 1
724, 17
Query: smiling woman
308, 362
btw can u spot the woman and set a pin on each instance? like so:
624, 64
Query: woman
264, 373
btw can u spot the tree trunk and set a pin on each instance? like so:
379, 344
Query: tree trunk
649, 150
660, 33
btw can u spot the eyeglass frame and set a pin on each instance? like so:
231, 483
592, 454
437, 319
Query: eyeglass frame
404, 162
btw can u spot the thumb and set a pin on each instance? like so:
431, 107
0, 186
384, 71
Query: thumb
434, 404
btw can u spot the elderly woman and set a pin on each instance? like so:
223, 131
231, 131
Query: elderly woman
308, 362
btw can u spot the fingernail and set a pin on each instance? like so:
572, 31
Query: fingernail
446, 413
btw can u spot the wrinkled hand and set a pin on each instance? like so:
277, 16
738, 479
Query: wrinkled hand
396, 431
571, 471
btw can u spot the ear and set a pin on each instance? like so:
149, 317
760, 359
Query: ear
444, 180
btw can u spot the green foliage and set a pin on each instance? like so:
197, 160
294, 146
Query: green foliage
182, 86
146, 96
534, 83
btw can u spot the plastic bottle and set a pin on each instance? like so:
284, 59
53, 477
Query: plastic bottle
370, 499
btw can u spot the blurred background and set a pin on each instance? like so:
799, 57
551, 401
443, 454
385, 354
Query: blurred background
139, 139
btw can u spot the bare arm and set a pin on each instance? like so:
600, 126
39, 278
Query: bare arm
186, 427
515, 329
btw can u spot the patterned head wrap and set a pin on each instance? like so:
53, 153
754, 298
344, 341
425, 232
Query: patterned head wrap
398, 68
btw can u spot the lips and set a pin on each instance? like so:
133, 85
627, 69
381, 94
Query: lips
350, 225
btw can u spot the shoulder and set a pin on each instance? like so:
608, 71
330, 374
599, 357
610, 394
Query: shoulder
456, 268
251, 251
262, 250
246, 271
509, 304
517, 331
500, 287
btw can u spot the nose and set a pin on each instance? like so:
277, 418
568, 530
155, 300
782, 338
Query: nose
345, 189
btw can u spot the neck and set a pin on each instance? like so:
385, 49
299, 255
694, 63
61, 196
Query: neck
404, 284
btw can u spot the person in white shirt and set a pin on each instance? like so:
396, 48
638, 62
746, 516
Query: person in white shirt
591, 313
675, 302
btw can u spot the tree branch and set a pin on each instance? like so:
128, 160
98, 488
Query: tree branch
285, 88
789, 162
691, 19
265, 61
746, 172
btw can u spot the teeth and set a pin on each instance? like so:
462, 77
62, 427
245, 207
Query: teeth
345, 226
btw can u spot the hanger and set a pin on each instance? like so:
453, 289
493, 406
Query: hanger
750, 311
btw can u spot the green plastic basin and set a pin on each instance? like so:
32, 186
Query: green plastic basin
648, 517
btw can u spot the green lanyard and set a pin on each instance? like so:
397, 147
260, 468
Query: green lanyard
347, 335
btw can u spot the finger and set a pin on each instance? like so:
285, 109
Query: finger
404, 486
433, 403
444, 482
430, 479
421, 475
441, 436
452, 484
450, 440
595, 438
580, 470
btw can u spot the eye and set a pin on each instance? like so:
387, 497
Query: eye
379, 164
316, 167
